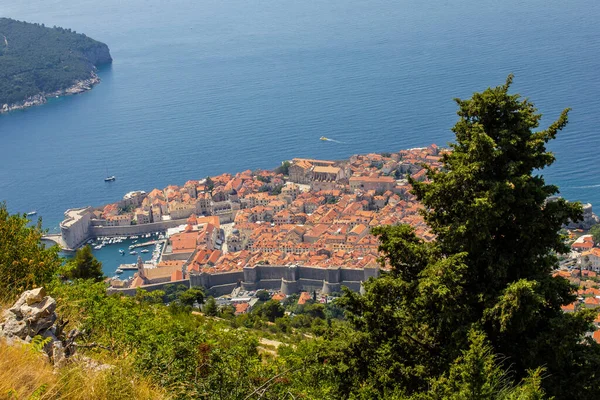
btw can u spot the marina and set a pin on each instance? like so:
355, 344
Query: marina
113, 252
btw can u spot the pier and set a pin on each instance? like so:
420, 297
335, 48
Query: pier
56, 238
128, 267
145, 244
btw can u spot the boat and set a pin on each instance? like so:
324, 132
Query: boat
98, 247
110, 178
32, 213
133, 252
144, 251
119, 271
121, 251
324, 138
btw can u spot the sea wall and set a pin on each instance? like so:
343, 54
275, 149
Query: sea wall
135, 229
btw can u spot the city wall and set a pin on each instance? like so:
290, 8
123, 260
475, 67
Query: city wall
141, 229
148, 288
293, 279
218, 284
287, 279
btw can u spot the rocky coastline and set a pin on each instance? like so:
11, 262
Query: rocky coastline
78, 87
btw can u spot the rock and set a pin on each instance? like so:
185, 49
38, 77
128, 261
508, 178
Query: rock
16, 308
93, 365
58, 354
39, 310
32, 314
14, 328
39, 326
34, 296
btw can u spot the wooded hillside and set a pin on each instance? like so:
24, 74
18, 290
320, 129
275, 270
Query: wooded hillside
36, 59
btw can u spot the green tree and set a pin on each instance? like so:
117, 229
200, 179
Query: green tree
83, 266
209, 184
210, 307
270, 310
24, 262
490, 267
284, 168
263, 295
191, 296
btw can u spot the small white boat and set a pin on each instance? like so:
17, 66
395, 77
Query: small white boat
133, 252
144, 251
121, 251
30, 213
110, 178
119, 271
98, 247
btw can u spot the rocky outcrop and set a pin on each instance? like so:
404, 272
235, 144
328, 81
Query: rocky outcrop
34, 314
39, 99
98, 54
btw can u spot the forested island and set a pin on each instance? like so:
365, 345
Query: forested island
37, 62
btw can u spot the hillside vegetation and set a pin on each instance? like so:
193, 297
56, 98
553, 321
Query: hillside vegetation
36, 59
474, 315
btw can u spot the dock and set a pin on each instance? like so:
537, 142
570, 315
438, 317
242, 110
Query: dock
145, 244
128, 267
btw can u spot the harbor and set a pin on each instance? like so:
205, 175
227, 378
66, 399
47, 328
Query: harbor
116, 253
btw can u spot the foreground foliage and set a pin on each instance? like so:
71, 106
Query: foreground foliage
24, 262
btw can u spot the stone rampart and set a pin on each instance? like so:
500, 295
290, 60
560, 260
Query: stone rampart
292, 279
135, 229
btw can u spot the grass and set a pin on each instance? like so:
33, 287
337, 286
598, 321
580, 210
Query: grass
26, 374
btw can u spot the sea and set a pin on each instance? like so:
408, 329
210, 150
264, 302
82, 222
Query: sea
202, 87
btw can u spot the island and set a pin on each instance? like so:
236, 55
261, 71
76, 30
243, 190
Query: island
38, 62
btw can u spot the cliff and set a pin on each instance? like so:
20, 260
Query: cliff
37, 62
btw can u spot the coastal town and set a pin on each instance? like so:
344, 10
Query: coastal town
306, 213
303, 227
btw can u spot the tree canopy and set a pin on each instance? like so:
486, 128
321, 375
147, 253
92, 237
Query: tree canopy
83, 266
24, 261
489, 268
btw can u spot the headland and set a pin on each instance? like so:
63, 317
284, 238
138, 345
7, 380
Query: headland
38, 62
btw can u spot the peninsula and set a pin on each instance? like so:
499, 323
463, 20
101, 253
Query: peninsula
37, 62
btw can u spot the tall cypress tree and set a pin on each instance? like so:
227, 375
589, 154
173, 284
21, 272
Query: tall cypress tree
490, 267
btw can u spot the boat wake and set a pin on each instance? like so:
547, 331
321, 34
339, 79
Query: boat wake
323, 138
582, 187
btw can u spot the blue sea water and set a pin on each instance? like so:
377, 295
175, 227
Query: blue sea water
212, 86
